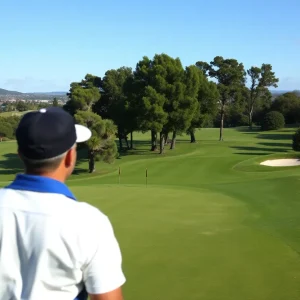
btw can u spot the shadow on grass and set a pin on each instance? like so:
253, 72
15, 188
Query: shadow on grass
141, 143
270, 144
256, 149
274, 136
187, 140
135, 152
82, 157
139, 148
290, 130
253, 153
246, 129
11, 164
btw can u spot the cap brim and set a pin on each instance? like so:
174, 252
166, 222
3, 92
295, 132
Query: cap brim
83, 133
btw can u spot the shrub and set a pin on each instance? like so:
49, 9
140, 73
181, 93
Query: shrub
296, 140
6, 131
273, 120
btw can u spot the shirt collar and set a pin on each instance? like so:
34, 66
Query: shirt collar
35, 183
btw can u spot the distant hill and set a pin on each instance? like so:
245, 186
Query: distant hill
50, 93
276, 93
6, 92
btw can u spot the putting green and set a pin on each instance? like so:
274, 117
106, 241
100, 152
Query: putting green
211, 224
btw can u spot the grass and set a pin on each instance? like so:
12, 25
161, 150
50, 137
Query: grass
212, 224
13, 113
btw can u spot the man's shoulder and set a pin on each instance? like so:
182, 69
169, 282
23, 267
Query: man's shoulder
51, 204
90, 212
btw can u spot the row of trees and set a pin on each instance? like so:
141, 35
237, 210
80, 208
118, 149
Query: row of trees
22, 106
8, 124
163, 97
289, 105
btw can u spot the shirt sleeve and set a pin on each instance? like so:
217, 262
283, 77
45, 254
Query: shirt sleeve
103, 272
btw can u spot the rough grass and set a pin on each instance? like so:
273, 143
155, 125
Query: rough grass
13, 113
211, 224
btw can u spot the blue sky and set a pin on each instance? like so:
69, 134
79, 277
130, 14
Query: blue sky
45, 45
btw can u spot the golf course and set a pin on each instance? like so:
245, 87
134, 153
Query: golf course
211, 223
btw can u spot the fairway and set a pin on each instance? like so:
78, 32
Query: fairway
212, 223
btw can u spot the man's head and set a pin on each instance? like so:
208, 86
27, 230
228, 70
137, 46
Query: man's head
47, 142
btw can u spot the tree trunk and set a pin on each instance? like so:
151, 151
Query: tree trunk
250, 117
167, 138
120, 143
161, 143
131, 140
91, 161
173, 140
120, 139
153, 141
193, 138
221, 125
126, 141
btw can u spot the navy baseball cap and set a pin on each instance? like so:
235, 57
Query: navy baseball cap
49, 132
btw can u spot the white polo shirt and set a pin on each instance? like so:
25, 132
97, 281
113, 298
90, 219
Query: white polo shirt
53, 247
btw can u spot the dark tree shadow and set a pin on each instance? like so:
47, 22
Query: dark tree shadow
275, 136
187, 140
291, 130
253, 153
270, 144
82, 157
141, 143
139, 148
135, 152
11, 164
254, 130
256, 149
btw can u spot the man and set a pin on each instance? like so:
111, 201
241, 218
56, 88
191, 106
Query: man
51, 246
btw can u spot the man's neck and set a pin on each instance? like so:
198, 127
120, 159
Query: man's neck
52, 175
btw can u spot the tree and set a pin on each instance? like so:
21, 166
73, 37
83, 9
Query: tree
289, 105
184, 102
273, 120
263, 106
13, 121
158, 84
22, 106
296, 140
207, 109
116, 102
6, 129
261, 79
230, 76
101, 146
83, 96
153, 115
55, 102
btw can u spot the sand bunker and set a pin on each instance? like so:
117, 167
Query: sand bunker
286, 162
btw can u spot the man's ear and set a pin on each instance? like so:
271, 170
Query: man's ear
69, 158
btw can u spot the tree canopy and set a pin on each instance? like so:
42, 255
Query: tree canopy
161, 96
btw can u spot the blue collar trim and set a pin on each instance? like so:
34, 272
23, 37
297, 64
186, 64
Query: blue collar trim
40, 184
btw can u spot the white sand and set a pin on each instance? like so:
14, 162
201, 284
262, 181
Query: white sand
291, 162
